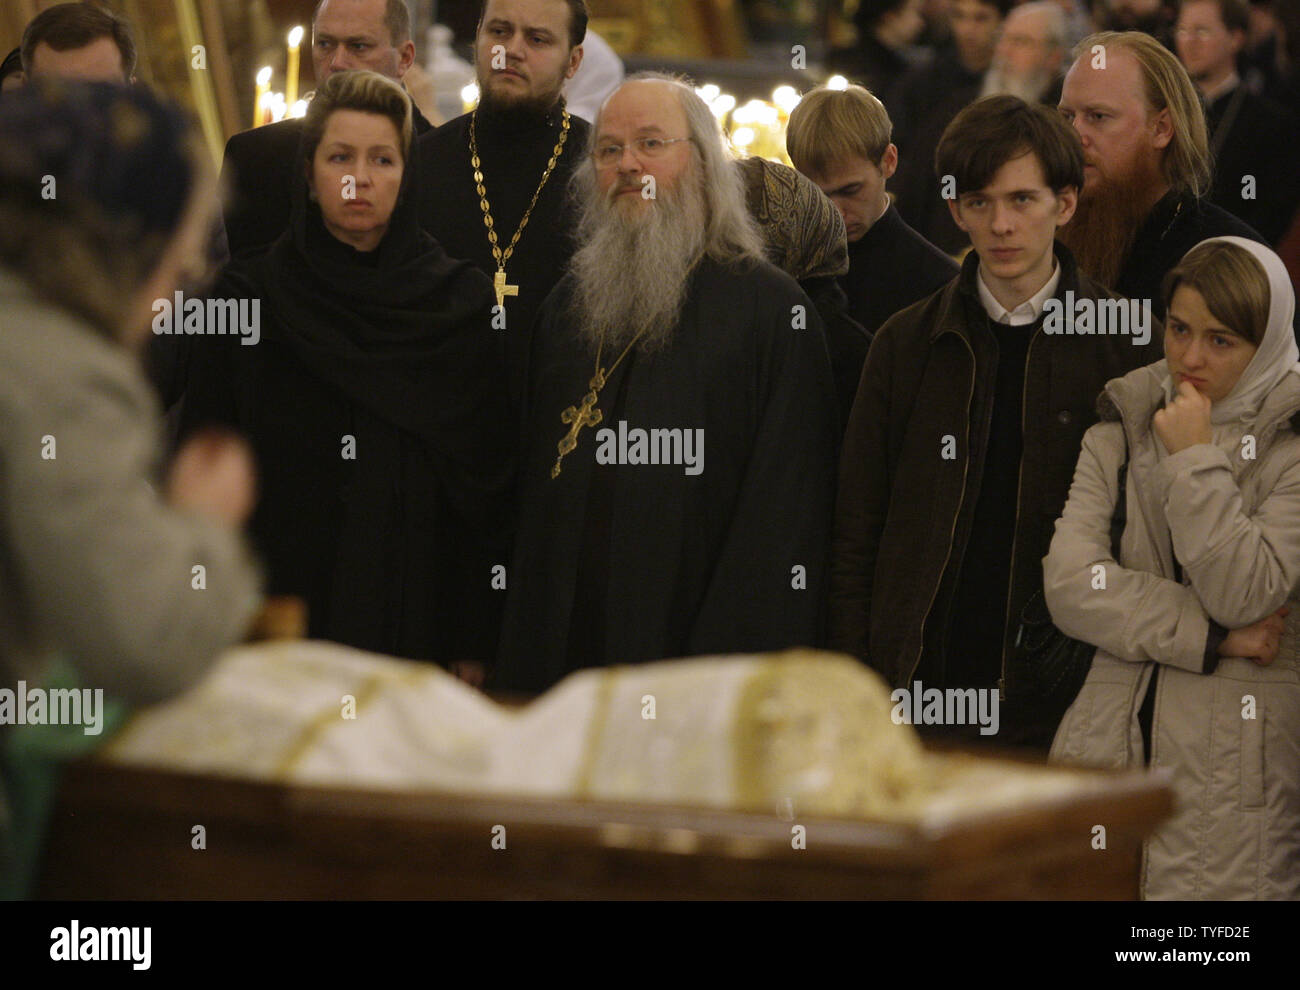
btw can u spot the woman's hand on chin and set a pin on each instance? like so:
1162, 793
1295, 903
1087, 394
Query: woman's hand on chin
1185, 422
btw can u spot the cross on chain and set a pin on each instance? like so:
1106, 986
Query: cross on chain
579, 416
503, 290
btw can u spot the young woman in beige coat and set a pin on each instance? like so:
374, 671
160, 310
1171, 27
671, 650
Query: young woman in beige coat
1197, 669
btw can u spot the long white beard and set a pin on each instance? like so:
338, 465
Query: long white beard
1031, 89
633, 266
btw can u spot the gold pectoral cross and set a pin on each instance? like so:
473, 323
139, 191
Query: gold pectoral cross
503, 290
580, 416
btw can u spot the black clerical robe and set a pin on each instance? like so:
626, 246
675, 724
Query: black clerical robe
846, 340
513, 159
922, 105
1254, 143
1174, 226
660, 561
891, 266
259, 172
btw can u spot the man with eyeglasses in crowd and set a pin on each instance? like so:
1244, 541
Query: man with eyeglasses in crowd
678, 466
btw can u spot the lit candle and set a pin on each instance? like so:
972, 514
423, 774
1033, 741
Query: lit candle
469, 97
259, 97
786, 98
291, 85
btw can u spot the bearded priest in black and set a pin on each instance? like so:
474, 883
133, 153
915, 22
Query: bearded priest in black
494, 185
679, 463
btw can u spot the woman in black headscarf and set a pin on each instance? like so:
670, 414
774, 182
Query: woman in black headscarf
368, 378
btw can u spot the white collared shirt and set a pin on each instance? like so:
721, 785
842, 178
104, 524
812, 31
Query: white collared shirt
1028, 311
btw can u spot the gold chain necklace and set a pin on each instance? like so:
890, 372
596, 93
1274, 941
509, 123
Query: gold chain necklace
499, 280
586, 414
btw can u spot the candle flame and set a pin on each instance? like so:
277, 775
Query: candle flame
295, 37
263, 76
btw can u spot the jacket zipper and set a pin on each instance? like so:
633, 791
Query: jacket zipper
957, 516
1015, 527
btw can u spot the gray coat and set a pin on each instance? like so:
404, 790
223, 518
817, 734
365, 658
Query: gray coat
93, 564
1234, 524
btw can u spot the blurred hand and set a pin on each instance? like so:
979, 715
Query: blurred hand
213, 475
1259, 642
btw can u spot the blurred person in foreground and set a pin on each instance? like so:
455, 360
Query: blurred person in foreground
104, 204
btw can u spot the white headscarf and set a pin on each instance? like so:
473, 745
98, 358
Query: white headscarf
1277, 355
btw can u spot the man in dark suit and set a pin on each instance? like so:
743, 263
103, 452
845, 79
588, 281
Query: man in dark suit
258, 167
1252, 139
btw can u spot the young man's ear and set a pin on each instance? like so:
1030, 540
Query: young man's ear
956, 214
1068, 199
889, 162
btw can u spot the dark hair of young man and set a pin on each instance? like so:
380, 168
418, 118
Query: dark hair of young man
67, 26
991, 132
577, 20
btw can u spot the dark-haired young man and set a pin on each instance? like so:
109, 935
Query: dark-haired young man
78, 41
506, 212
968, 421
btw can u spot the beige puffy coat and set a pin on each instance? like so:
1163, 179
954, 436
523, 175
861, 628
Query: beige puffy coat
1233, 522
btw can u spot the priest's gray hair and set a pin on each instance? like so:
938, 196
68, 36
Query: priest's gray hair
730, 232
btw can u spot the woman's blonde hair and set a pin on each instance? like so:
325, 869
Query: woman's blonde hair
1233, 284
361, 90
1186, 162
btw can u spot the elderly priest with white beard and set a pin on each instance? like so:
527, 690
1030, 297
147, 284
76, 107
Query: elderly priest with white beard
679, 465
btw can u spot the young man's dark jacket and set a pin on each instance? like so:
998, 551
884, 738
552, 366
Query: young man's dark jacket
903, 513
